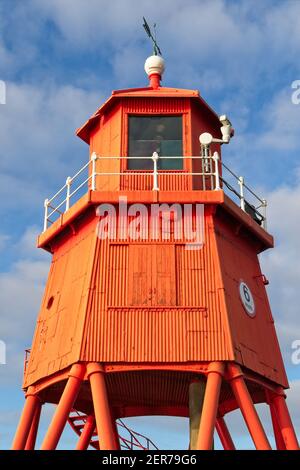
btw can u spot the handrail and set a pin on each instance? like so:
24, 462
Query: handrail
245, 204
134, 436
211, 167
77, 420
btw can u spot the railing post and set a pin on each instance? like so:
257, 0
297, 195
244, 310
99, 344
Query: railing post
217, 175
68, 184
264, 208
46, 204
94, 158
242, 197
155, 158
206, 158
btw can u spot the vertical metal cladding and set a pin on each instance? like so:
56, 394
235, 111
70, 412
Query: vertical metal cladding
156, 334
238, 263
155, 105
57, 337
170, 181
151, 389
177, 316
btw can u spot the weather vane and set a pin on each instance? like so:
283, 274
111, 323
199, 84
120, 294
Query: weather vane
156, 49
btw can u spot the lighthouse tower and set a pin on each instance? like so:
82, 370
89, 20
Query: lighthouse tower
155, 302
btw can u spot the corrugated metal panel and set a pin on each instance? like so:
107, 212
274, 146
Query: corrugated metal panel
106, 141
117, 275
151, 275
156, 335
173, 181
159, 223
206, 338
255, 338
149, 388
155, 105
58, 332
157, 389
156, 302
197, 284
142, 335
100, 290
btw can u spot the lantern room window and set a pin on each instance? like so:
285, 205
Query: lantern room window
161, 134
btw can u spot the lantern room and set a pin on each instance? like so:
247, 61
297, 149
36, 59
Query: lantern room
135, 124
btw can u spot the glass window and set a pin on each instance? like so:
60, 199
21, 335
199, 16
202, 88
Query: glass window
161, 134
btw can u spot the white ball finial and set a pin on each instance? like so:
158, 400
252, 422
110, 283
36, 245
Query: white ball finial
155, 64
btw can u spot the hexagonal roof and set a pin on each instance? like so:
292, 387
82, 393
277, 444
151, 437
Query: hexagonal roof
145, 92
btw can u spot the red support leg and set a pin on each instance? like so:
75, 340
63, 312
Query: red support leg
30, 444
87, 433
31, 404
210, 406
284, 421
64, 407
224, 434
280, 445
103, 417
247, 408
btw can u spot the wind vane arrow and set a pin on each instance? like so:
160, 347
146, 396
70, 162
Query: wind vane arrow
156, 48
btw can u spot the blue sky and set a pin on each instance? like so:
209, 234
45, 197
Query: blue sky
60, 59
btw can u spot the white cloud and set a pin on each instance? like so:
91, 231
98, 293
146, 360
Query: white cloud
284, 22
3, 240
26, 246
39, 122
20, 295
293, 402
6, 57
38, 145
110, 24
281, 265
21, 290
282, 122
19, 43
240, 41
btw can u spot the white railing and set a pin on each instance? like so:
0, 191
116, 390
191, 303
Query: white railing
209, 178
249, 201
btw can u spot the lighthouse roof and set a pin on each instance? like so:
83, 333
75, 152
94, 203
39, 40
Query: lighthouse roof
146, 92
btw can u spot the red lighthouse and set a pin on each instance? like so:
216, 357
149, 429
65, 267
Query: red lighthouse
155, 302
